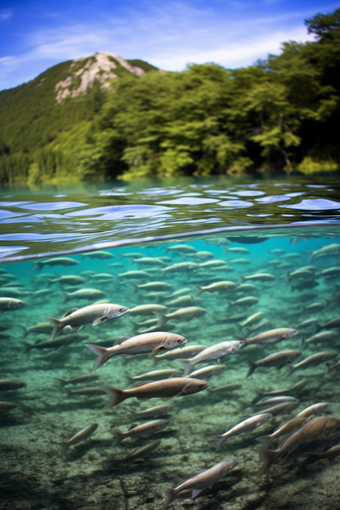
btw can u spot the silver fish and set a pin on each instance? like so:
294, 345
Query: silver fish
141, 430
244, 426
217, 351
82, 435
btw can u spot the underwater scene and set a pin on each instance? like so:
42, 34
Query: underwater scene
188, 374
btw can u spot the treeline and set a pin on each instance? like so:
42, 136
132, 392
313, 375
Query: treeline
281, 115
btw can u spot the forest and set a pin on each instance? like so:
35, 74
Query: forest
280, 115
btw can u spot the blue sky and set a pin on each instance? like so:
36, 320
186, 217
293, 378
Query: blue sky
35, 35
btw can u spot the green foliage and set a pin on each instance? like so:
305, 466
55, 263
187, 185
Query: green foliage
142, 64
280, 114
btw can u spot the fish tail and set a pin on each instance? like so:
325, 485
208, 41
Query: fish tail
64, 448
58, 326
28, 347
66, 297
37, 264
25, 330
135, 287
199, 291
252, 367
170, 495
318, 328
268, 457
243, 278
118, 437
265, 440
61, 382
162, 319
312, 457
187, 366
117, 395
102, 355
302, 344
219, 442
69, 392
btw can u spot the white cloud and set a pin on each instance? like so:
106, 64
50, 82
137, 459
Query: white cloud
167, 35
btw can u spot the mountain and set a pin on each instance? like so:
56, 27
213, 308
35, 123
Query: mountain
55, 110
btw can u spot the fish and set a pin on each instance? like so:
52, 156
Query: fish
180, 292
331, 250
140, 430
134, 275
7, 406
100, 254
314, 307
314, 360
156, 375
77, 380
227, 388
182, 248
91, 391
275, 400
180, 267
238, 249
261, 277
149, 309
82, 435
278, 359
324, 336
334, 323
165, 389
245, 301
307, 432
244, 426
136, 454
246, 288
87, 294
12, 292
41, 328
153, 411
56, 342
11, 384
207, 373
310, 323
218, 287
283, 429
277, 251
182, 352
216, 351
331, 453
253, 319
295, 388
185, 300
56, 261
239, 261
318, 408
151, 261
203, 255
213, 264
300, 274
150, 343
158, 286
10, 304
330, 272
284, 407
271, 337
95, 314
182, 314
201, 481
68, 280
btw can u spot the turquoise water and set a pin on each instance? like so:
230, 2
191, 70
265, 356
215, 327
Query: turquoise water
208, 242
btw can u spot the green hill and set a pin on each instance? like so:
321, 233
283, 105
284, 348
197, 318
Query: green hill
103, 117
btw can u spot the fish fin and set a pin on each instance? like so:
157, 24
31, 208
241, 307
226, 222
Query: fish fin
99, 320
135, 287
187, 365
64, 448
302, 344
195, 493
121, 340
58, 326
219, 442
102, 355
129, 356
70, 311
252, 367
28, 347
116, 395
199, 291
265, 440
166, 398
155, 350
65, 296
118, 437
25, 330
61, 382
268, 457
162, 319
170, 495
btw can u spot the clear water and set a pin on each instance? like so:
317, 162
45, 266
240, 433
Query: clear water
297, 218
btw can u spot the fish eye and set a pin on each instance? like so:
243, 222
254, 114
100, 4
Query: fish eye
179, 341
121, 309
